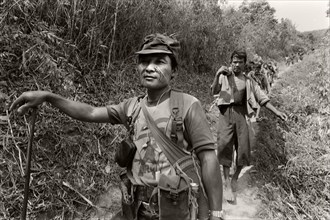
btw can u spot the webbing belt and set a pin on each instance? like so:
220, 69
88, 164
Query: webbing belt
172, 151
176, 106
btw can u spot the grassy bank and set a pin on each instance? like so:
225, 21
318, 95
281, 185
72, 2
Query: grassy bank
293, 158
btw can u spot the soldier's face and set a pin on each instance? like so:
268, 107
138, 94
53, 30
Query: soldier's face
237, 65
155, 70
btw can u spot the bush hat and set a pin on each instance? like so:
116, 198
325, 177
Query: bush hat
160, 43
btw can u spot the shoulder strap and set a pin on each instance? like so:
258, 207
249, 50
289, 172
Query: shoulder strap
171, 150
133, 116
174, 153
176, 106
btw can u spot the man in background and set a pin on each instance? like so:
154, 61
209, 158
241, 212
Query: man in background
239, 96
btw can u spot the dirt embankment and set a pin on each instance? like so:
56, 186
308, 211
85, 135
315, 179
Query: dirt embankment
292, 158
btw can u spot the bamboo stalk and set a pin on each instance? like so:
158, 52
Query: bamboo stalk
113, 35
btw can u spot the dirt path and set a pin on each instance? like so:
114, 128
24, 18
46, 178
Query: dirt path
109, 204
248, 205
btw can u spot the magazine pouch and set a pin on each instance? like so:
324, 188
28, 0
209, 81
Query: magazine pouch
125, 153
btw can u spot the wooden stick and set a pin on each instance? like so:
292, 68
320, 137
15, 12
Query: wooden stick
28, 165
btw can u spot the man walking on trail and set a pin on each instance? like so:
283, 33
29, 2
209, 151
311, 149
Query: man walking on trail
259, 76
238, 97
150, 166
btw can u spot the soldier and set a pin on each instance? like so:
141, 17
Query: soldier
157, 65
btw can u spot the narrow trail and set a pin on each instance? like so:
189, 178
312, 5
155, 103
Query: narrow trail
248, 204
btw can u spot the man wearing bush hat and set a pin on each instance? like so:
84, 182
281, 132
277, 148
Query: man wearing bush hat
160, 44
150, 170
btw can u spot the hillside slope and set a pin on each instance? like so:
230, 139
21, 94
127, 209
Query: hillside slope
293, 158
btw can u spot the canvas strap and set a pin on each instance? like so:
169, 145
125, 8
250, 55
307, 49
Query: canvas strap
172, 151
177, 156
176, 106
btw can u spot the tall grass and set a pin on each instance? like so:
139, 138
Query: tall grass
295, 156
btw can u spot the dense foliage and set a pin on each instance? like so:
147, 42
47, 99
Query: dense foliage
84, 50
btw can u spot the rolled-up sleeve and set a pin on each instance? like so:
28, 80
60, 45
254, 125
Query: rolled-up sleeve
118, 113
260, 95
198, 129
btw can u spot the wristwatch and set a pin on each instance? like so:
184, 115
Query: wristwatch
218, 214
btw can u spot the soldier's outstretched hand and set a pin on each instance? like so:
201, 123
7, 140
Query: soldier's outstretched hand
28, 100
282, 116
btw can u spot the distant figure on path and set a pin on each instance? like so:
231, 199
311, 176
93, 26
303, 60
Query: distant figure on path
301, 54
266, 71
238, 96
260, 78
258, 74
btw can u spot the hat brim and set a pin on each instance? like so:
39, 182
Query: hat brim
151, 51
